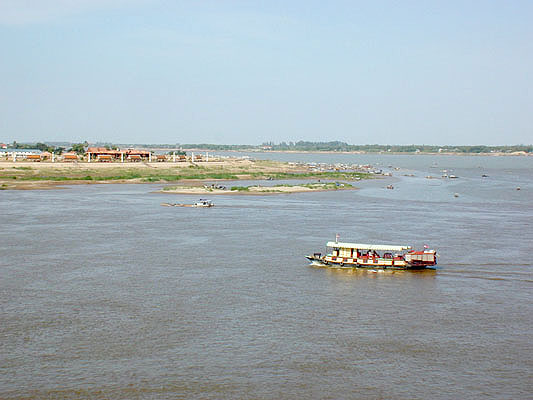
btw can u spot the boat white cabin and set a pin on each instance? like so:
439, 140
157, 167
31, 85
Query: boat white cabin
203, 203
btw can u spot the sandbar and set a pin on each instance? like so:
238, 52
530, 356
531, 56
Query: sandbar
258, 189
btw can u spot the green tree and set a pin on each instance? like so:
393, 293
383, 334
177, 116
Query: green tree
79, 148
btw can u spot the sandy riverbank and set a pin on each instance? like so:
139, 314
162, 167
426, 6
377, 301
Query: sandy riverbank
27, 175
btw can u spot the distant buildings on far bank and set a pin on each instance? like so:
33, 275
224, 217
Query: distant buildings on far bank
99, 154
4, 151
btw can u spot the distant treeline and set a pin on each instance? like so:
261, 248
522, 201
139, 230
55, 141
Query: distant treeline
38, 146
369, 148
76, 147
299, 146
227, 147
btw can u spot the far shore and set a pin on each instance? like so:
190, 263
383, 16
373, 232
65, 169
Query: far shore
495, 154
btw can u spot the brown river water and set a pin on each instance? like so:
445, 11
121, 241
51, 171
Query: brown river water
105, 294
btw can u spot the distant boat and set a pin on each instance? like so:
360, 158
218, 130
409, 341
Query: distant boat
202, 203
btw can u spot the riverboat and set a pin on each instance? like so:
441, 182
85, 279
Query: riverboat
374, 256
202, 203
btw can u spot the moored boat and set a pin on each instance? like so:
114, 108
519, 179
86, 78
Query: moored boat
374, 256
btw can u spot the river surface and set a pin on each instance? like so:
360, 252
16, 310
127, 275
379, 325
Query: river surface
105, 294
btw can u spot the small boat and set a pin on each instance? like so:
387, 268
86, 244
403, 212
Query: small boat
390, 187
357, 255
202, 203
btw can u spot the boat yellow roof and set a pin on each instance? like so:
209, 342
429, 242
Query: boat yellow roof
361, 246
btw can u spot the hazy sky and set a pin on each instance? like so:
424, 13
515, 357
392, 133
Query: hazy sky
216, 71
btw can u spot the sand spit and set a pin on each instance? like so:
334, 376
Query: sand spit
258, 189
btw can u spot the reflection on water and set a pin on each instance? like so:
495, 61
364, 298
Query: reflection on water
363, 273
106, 294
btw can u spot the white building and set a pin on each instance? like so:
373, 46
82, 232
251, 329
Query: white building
18, 153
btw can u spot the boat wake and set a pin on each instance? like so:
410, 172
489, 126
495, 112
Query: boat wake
317, 264
478, 273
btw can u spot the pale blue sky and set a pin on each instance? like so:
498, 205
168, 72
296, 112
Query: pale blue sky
155, 71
